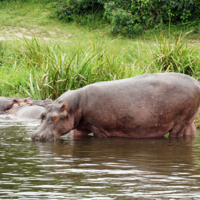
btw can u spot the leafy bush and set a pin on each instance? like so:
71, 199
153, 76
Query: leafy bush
67, 10
147, 14
131, 17
124, 23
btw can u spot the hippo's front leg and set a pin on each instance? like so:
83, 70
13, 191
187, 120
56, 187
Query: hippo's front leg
77, 133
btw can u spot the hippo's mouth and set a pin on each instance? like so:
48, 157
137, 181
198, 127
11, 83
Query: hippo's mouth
42, 137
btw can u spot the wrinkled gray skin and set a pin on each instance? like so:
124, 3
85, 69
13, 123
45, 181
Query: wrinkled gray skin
146, 106
6, 103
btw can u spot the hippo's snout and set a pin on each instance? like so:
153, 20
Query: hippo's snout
42, 137
37, 137
42, 134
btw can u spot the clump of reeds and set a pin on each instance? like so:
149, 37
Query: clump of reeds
177, 55
50, 71
43, 70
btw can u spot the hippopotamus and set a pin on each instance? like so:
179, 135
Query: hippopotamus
146, 106
25, 111
7, 103
43, 103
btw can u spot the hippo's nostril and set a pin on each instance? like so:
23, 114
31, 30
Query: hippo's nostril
32, 136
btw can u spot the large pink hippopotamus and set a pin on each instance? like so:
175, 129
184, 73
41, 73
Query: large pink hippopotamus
146, 106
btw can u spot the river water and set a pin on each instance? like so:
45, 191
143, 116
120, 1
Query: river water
91, 168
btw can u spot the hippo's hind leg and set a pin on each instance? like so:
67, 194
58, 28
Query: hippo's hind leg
177, 130
190, 129
181, 130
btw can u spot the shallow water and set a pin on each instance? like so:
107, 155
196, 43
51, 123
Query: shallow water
96, 168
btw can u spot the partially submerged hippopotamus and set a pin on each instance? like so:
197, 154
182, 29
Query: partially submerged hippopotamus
146, 106
43, 103
23, 110
7, 103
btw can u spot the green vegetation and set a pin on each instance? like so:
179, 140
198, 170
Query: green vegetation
48, 70
42, 57
41, 69
129, 18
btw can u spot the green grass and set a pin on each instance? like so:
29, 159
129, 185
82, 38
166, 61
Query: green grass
45, 70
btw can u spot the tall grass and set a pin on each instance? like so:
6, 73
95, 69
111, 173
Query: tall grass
178, 55
49, 70
42, 69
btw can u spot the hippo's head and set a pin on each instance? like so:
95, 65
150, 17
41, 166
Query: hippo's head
57, 120
43, 103
15, 105
27, 101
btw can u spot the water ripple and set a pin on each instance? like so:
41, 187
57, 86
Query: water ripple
95, 168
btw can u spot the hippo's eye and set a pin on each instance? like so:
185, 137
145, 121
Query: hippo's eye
42, 116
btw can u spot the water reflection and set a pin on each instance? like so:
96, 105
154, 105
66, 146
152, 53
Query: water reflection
96, 168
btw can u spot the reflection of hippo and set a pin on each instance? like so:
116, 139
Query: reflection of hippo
6, 103
141, 107
25, 111
158, 155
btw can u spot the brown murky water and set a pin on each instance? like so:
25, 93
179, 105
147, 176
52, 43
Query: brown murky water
96, 168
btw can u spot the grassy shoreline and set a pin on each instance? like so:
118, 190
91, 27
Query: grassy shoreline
45, 69
31, 42
42, 57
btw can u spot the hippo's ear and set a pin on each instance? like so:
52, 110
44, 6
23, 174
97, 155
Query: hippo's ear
63, 109
27, 101
16, 101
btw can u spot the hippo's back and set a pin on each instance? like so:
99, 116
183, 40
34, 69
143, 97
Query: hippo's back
145, 88
29, 112
157, 80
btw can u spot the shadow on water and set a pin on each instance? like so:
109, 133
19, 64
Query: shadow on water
96, 168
